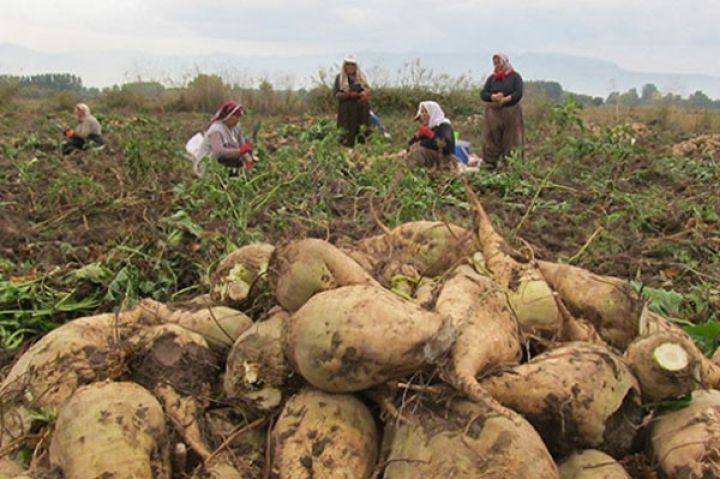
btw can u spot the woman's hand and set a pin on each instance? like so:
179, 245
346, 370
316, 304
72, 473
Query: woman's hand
425, 132
246, 148
497, 97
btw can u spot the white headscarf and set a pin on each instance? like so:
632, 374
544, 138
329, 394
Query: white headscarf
359, 74
83, 108
437, 116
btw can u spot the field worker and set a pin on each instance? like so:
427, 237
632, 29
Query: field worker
223, 141
503, 130
433, 145
87, 134
352, 92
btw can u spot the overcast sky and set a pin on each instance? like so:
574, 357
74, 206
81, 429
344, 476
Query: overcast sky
642, 35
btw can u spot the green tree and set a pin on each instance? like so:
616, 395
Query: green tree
649, 94
699, 100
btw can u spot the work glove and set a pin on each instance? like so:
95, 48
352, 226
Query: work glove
248, 164
246, 148
354, 95
363, 97
425, 132
69, 133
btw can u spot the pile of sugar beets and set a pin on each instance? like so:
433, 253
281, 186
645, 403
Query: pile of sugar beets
429, 351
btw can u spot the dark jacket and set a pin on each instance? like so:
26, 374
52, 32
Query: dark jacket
343, 96
443, 140
353, 116
510, 85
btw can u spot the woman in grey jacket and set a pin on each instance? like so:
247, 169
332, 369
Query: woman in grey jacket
87, 134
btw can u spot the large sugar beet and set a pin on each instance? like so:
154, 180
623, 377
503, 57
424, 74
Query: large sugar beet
666, 360
170, 354
529, 295
78, 352
591, 464
241, 274
355, 337
324, 436
685, 442
464, 440
610, 304
308, 266
111, 430
422, 248
576, 396
219, 325
487, 331
256, 370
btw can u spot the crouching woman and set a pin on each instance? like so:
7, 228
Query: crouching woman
433, 145
87, 134
223, 140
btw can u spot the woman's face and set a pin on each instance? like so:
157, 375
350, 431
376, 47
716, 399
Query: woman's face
79, 113
424, 117
350, 69
497, 62
233, 120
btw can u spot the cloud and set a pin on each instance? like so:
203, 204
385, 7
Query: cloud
630, 33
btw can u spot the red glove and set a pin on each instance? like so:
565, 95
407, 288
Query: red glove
246, 148
363, 97
69, 133
354, 94
248, 164
425, 132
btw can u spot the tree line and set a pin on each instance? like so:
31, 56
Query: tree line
44, 84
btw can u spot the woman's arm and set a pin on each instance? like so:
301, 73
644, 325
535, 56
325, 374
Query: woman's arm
485, 93
221, 151
338, 93
517, 88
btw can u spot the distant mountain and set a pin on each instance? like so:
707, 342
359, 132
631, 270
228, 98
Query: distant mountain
574, 73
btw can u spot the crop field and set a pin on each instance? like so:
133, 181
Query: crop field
626, 195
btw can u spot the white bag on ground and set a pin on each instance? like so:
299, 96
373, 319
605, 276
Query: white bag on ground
192, 147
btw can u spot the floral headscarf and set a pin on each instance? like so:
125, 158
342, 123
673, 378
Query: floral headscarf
505, 69
226, 110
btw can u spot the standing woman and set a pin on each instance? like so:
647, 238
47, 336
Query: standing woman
352, 91
504, 129
223, 141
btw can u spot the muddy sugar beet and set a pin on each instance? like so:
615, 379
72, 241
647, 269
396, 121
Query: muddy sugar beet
355, 337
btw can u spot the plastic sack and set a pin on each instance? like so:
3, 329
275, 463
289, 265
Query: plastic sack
192, 147
462, 151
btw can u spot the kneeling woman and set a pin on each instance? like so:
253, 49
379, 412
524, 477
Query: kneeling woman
434, 143
223, 140
86, 135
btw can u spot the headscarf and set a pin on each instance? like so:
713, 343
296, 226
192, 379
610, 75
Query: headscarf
359, 75
505, 69
437, 116
226, 110
83, 108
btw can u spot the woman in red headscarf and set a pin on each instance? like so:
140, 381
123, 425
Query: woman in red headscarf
223, 140
504, 129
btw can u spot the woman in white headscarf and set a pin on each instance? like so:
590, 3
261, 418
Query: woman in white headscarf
504, 128
352, 91
433, 145
87, 133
